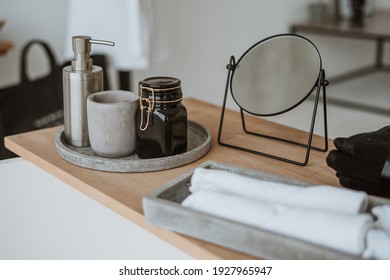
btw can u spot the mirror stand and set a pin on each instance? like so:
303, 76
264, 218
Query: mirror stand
320, 84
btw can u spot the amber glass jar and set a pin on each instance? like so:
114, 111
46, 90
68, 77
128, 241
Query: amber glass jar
161, 118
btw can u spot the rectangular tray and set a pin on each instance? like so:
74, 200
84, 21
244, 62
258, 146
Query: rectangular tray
163, 208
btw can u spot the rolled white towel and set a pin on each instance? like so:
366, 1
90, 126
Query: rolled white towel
382, 213
343, 232
378, 245
315, 197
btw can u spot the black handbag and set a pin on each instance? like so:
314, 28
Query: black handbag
36, 104
31, 104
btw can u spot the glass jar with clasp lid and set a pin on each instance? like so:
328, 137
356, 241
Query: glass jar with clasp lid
161, 118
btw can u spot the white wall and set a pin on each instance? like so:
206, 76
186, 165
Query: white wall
26, 20
197, 36
202, 35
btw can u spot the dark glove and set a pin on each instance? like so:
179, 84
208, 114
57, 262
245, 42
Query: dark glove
360, 159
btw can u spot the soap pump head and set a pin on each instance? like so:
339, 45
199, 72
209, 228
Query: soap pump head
81, 48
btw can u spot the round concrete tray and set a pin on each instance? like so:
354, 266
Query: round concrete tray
199, 142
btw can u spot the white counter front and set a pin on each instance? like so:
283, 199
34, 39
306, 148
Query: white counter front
41, 217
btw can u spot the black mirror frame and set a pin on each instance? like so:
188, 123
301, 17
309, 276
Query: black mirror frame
264, 41
321, 83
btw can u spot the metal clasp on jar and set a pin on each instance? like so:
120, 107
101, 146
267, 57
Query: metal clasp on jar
150, 104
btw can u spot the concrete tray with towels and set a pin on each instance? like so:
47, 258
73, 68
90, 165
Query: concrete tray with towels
163, 208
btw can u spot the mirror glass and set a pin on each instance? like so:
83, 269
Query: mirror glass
275, 75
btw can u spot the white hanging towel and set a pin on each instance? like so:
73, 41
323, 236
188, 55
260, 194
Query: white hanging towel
342, 232
316, 197
126, 22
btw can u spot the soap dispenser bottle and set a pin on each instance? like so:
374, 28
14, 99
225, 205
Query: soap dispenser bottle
80, 79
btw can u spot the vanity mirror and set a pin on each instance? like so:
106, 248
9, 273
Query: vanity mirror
273, 77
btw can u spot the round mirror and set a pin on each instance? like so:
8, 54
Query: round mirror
275, 75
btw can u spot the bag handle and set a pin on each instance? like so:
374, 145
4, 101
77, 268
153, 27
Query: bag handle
49, 53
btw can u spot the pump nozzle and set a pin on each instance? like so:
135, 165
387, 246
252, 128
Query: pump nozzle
81, 48
102, 42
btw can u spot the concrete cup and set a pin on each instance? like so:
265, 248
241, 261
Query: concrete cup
111, 122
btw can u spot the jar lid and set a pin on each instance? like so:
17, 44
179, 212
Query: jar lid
161, 82
161, 89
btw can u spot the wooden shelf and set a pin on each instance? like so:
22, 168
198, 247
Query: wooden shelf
123, 192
